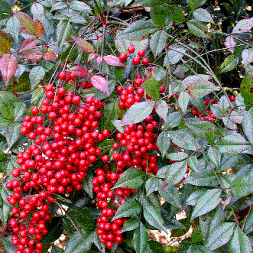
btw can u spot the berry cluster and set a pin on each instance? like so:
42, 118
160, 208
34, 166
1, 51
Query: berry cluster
138, 141
70, 77
129, 96
108, 230
86, 85
139, 58
64, 143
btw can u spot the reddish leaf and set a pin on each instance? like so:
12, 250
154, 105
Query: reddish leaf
50, 55
243, 26
84, 44
100, 83
32, 55
113, 60
8, 67
5, 43
28, 44
79, 71
99, 59
91, 56
230, 43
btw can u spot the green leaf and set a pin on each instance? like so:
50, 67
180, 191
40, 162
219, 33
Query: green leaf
179, 156
19, 109
152, 184
7, 244
63, 32
152, 88
158, 42
129, 208
13, 27
162, 108
175, 173
247, 125
163, 142
138, 112
174, 119
78, 243
171, 195
183, 101
203, 15
229, 63
130, 224
159, 73
174, 55
55, 230
246, 89
36, 75
153, 216
233, 144
132, 178
206, 203
248, 228
220, 235
80, 6
197, 28
193, 163
111, 112
184, 139
12, 134
175, 13
82, 216
140, 239
242, 186
158, 15
215, 156
194, 4
140, 30
240, 242
5, 8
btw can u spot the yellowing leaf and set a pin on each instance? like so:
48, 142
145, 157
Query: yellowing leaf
5, 43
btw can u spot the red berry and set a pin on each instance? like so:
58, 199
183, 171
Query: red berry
35, 110
72, 76
138, 82
136, 60
141, 53
62, 75
131, 49
162, 89
232, 98
123, 57
145, 61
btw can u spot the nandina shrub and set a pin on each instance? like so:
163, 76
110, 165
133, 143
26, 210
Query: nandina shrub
111, 128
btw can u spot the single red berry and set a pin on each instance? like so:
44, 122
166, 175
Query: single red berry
131, 49
232, 98
162, 89
137, 60
145, 61
123, 57
62, 75
35, 110
72, 76
138, 82
141, 53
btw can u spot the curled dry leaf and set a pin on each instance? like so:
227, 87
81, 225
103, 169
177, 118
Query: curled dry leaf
8, 67
100, 83
79, 71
